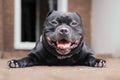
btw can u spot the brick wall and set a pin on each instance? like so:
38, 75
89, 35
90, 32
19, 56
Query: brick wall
8, 22
1, 29
84, 8
7, 30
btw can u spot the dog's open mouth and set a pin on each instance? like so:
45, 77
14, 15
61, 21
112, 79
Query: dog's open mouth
63, 44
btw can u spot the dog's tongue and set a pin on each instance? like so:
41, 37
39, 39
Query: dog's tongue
63, 44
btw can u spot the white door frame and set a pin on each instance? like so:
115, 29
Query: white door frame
18, 44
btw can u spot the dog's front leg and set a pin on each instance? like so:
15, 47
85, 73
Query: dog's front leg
24, 62
94, 62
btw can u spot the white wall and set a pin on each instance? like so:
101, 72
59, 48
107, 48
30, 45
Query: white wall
106, 26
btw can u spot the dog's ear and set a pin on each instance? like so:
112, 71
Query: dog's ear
49, 13
77, 14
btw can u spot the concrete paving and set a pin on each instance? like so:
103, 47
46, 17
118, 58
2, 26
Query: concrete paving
110, 72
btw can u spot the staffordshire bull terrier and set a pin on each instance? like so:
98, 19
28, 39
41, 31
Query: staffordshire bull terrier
62, 43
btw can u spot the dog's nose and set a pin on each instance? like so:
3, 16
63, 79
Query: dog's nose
64, 31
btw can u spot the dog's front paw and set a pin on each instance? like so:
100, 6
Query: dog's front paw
98, 63
13, 64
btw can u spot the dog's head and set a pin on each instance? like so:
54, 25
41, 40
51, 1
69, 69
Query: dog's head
63, 31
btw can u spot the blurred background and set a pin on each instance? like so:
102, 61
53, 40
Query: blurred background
21, 24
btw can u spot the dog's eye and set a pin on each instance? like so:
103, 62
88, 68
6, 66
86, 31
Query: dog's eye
55, 23
73, 23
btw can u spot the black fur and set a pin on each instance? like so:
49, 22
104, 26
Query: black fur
46, 54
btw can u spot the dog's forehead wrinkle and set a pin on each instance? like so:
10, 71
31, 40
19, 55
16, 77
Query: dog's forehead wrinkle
64, 17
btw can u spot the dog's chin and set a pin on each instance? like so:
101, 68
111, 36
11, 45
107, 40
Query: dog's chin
63, 46
63, 51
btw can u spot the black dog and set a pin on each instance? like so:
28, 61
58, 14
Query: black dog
62, 43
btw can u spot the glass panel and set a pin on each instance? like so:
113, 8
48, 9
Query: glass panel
28, 20
33, 16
